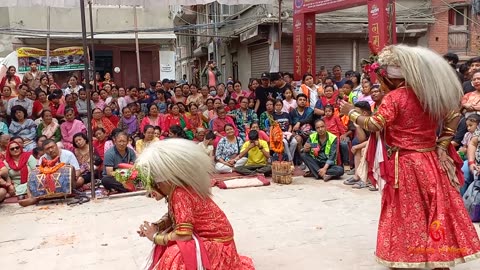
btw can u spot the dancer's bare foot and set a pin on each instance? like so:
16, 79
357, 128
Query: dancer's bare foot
28, 202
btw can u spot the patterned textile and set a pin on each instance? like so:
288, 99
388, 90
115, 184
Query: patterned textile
192, 214
424, 224
225, 149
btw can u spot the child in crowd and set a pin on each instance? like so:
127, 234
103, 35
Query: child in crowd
289, 103
330, 97
332, 122
472, 122
251, 103
473, 130
207, 144
365, 95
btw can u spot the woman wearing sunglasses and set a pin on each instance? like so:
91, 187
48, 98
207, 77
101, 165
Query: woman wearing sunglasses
19, 164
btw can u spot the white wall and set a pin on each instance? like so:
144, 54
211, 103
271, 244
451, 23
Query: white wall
167, 65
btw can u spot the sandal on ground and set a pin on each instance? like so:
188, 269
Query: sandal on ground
372, 188
308, 174
350, 181
359, 185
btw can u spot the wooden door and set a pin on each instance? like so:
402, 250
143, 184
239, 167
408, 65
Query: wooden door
129, 67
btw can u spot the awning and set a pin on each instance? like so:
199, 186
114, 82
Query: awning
140, 3
124, 36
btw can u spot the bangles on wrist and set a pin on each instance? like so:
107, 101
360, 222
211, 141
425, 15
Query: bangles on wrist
353, 115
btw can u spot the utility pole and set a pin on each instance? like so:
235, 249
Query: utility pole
279, 45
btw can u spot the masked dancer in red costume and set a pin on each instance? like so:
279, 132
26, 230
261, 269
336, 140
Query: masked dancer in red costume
423, 221
195, 234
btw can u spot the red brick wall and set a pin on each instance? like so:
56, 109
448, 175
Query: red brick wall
438, 32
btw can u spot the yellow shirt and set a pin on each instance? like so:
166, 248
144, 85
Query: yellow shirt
140, 145
255, 155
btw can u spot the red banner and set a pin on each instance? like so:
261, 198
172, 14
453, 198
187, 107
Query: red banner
379, 22
322, 6
303, 44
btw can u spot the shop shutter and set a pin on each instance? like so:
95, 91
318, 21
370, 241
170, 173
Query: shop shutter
286, 57
363, 51
260, 60
334, 52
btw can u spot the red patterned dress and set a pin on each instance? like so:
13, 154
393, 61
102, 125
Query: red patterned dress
423, 221
192, 214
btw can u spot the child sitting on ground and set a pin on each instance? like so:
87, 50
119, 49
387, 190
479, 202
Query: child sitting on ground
472, 128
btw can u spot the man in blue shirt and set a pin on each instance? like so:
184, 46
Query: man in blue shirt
114, 156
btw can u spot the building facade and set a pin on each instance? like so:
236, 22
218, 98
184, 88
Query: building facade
243, 39
456, 28
114, 39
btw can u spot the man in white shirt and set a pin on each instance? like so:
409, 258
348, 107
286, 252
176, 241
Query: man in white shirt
52, 152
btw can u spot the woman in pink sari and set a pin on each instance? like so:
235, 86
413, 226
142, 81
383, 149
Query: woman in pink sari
154, 118
70, 127
218, 125
195, 233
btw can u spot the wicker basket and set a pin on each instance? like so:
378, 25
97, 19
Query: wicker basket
282, 172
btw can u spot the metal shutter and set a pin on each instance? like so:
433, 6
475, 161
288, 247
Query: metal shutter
363, 51
286, 57
260, 60
334, 52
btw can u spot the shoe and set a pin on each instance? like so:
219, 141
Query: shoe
350, 181
351, 172
327, 178
303, 166
359, 185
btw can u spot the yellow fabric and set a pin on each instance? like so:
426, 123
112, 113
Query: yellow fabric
255, 155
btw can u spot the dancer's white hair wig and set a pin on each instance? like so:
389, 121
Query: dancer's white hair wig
180, 162
432, 79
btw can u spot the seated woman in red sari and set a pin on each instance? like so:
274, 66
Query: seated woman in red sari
108, 113
218, 125
423, 220
197, 119
195, 233
100, 121
175, 118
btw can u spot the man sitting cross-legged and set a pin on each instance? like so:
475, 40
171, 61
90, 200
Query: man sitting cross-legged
52, 151
320, 154
258, 155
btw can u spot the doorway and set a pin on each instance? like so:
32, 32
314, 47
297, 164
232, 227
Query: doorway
104, 63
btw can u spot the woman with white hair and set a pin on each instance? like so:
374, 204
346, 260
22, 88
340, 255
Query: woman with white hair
195, 233
423, 221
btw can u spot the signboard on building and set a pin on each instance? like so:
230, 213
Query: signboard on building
61, 59
322, 6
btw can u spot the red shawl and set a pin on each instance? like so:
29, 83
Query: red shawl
106, 124
22, 162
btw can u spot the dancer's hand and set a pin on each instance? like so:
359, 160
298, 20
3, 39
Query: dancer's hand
345, 107
443, 158
147, 230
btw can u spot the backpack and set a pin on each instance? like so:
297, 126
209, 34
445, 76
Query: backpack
471, 199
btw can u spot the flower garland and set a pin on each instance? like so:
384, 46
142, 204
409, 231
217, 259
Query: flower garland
372, 64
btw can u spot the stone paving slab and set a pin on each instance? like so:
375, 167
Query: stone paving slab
307, 225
